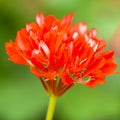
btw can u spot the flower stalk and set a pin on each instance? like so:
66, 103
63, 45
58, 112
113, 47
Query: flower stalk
51, 107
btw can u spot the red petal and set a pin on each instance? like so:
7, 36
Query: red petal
51, 23
94, 83
40, 19
81, 28
109, 65
22, 40
14, 56
101, 44
96, 65
36, 72
92, 33
66, 79
108, 54
109, 68
38, 64
45, 48
66, 21
31, 27
59, 40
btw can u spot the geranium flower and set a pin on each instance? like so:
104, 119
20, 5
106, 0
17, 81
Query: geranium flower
62, 54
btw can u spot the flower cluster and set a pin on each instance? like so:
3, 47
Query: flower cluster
62, 54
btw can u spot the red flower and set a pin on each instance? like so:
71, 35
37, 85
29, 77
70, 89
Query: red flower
62, 54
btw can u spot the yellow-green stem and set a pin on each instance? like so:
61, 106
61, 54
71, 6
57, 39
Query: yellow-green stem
51, 108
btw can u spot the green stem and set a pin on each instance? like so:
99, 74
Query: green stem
51, 107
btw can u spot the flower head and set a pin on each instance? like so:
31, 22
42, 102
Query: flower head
62, 54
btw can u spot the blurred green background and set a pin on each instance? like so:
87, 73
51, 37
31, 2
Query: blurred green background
21, 94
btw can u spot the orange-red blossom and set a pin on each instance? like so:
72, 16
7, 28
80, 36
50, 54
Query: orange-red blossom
62, 54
